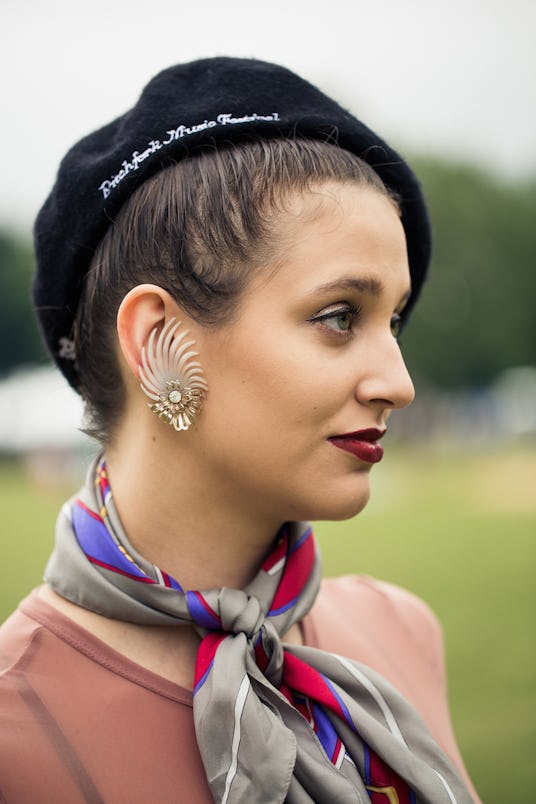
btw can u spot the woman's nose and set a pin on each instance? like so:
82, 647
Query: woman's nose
385, 380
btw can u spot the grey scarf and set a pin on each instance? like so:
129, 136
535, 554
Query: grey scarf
274, 722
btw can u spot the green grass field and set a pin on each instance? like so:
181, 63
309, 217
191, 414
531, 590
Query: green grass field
457, 529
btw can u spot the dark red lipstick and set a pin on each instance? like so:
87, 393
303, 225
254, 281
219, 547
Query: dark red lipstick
363, 444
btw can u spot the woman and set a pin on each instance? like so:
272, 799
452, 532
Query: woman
222, 274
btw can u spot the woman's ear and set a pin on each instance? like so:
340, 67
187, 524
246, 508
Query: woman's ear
143, 309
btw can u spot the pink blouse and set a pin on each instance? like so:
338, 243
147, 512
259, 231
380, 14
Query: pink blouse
80, 722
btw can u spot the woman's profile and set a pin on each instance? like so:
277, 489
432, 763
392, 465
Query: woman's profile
222, 274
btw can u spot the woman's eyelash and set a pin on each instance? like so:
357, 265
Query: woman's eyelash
346, 316
344, 319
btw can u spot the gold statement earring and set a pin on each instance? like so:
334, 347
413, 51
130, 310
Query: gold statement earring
171, 377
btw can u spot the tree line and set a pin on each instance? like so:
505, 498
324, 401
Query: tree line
476, 314
475, 317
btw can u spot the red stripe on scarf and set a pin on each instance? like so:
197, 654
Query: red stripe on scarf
119, 571
297, 571
206, 652
279, 552
305, 679
84, 507
382, 776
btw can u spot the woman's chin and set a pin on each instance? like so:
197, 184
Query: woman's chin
336, 506
346, 510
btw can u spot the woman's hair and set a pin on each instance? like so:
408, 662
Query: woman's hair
199, 229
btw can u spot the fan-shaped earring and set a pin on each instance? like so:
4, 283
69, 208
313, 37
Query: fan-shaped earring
171, 377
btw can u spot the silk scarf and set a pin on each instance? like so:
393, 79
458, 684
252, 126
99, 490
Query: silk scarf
274, 722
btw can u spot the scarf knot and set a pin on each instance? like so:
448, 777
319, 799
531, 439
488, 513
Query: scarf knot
240, 613
234, 613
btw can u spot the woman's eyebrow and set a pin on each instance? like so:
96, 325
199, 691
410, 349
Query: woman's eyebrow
368, 284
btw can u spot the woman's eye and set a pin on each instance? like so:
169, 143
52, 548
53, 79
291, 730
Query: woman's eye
396, 325
339, 321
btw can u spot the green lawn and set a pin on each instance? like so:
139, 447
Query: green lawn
457, 529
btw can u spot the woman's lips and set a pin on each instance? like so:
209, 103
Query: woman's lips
362, 444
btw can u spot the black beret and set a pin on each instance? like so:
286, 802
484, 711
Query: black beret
183, 110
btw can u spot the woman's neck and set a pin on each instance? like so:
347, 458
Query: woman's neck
184, 521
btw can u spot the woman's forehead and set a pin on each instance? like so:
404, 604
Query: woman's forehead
338, 234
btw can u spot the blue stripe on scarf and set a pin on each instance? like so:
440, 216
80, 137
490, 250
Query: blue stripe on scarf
95, 540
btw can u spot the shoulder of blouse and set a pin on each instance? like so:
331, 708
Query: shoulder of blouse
374, 611
17, 634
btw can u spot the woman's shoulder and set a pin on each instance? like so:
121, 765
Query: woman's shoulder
378, 594
382, 612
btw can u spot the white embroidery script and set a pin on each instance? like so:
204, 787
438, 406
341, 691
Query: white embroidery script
172, 135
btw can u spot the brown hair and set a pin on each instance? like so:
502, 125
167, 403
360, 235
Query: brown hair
198, 229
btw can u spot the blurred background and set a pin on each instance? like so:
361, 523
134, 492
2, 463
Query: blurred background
453, 516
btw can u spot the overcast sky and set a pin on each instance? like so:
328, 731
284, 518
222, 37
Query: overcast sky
453, 77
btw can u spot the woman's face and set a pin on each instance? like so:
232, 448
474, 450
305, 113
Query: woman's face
312, 354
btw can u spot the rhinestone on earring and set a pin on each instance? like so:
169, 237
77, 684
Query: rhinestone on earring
171, 377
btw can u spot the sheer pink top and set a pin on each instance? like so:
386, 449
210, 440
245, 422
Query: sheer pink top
79, 722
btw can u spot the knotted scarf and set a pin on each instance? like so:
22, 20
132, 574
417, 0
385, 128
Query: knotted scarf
274, 722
